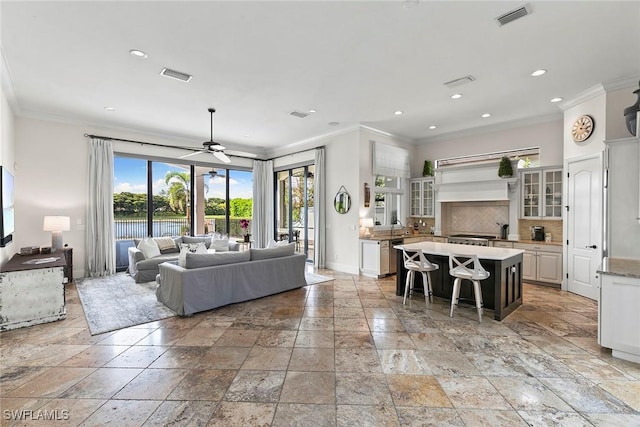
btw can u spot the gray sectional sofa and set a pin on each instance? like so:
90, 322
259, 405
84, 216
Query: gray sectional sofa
146, 270
208, 281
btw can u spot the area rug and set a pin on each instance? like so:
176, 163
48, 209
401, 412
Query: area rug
117, 302
313, 279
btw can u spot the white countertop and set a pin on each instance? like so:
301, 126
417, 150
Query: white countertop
445, 249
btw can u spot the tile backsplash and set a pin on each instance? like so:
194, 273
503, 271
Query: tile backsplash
474, 217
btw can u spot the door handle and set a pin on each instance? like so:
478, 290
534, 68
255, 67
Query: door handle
591, 247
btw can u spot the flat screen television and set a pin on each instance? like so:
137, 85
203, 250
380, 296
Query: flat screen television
7, 221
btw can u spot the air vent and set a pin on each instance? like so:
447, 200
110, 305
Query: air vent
514, 14
167, 72
459, 82
299, 114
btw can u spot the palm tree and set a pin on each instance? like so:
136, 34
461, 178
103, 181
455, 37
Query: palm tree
178, 192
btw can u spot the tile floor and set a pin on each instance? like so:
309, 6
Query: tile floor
340, 353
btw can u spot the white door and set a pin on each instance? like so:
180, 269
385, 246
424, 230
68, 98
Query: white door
584, 226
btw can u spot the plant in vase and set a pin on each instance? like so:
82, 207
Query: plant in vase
506, 168
244, 224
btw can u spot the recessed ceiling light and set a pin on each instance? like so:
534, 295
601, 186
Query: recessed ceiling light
456, 96
138, 53
556, 99
485, 115
537, 73
312, 111
109, 108
398, 113
432, 127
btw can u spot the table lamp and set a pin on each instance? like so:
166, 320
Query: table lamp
56, 225
367, 224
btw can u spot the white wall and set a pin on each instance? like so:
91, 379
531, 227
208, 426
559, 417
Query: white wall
546, 135
596, 108
7, 160
616, 103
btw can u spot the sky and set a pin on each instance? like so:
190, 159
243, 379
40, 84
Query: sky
130, 175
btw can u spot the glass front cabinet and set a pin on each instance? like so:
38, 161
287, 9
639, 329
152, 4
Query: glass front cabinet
541, 193
422, 197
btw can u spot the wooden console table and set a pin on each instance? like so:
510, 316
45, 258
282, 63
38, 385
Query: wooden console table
32, 290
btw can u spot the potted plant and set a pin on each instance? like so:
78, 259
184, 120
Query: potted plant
506, 168
244, 224
427, 169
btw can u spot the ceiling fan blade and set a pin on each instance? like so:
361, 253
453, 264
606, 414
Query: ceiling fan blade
189, 155
221, 156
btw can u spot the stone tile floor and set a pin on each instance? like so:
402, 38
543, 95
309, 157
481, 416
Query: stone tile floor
340, 353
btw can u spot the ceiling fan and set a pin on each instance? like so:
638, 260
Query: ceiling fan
210, 146
213, 174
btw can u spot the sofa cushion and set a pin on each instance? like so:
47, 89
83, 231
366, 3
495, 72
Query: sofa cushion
191, 239
210, 260
276, 252
152, 263
149, 248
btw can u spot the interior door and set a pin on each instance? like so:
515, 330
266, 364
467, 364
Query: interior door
584, 226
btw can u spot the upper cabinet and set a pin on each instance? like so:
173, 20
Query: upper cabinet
541, 193
422, 197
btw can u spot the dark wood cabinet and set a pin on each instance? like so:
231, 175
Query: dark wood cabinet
68, 270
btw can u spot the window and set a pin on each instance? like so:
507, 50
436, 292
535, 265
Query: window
156, 198
388, 198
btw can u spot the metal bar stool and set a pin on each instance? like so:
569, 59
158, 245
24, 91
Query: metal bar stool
418, 262
460, 268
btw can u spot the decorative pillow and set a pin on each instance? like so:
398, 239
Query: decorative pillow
149, 248
166, 244
277, 252
272, 244
182, 258
220, 242
194, 248
210, 260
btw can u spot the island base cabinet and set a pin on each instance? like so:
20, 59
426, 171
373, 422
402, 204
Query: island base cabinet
619, 320
501, 292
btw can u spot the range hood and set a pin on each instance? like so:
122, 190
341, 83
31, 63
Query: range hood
473, 184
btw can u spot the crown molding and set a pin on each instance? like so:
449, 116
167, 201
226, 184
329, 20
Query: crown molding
621, 83
7, 83
588, 94
387, 134
309, 143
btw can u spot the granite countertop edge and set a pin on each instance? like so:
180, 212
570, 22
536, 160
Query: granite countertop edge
625, 267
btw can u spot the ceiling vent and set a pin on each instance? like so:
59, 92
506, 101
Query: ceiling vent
459, 82
167, 72
514, 14
299, 114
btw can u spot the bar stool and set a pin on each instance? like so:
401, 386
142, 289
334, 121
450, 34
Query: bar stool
418, 262
459, 267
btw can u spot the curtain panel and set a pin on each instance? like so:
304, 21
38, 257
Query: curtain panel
320, 203
100, 239
263, 196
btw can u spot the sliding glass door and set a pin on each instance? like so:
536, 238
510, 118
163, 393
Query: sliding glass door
294, 208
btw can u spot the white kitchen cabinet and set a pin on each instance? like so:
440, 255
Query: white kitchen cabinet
541, 195
374, 257
421, 202
541, 263
619, 317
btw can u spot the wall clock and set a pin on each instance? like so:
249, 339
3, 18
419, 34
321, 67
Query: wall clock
582, 128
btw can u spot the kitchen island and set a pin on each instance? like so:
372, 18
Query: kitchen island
501, 292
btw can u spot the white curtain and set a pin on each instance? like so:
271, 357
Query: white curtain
100, 243
319, 206
263, 219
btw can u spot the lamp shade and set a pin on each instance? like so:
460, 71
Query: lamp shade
56, 223
367, 222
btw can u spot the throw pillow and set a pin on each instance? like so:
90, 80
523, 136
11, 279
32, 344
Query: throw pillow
166, 244
220, 242
272, 244
199, 248
149, 248
210, 260
277, 252
194, 239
